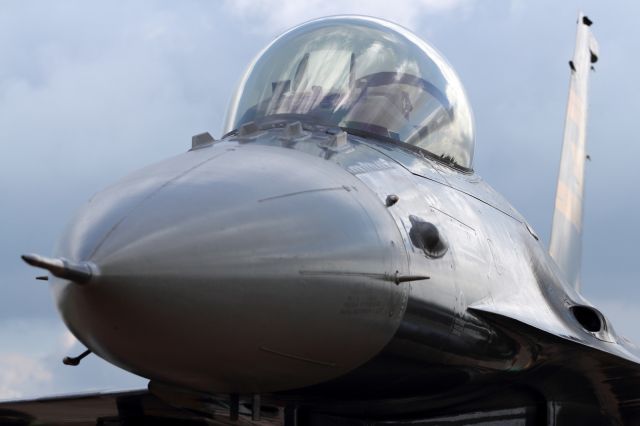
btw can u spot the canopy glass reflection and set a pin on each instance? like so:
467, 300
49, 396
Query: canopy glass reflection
362, 74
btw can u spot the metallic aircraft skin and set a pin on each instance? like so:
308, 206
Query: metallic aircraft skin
329, 270
565, 246
272, 227
233, 241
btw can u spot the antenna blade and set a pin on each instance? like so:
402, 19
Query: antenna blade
566, 232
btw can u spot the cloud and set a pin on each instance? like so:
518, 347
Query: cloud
20, 374
23, 362
31, 362
67, 340
275, 15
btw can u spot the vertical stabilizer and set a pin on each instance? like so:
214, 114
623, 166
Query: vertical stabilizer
566, 231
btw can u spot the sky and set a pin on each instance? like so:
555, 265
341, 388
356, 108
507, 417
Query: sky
90, 92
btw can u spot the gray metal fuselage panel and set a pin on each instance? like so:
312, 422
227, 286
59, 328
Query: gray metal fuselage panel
322, 263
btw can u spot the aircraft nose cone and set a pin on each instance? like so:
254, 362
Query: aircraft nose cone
236, 268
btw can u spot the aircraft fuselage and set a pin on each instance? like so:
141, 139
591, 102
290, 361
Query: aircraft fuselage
274, 261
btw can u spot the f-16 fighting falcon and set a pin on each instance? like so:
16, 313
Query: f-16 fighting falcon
335, 259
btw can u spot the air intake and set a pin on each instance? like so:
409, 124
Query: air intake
589, 318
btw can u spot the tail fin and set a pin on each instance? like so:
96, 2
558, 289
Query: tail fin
566, 232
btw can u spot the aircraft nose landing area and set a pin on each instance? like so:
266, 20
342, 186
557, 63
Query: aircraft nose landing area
252, 268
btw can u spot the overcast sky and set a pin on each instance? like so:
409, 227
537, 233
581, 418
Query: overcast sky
91, 92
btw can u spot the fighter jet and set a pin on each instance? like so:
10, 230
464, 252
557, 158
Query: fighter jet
335, 259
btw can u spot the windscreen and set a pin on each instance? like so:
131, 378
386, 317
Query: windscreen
361, 74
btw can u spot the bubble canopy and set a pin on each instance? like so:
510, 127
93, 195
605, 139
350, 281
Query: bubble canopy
362, 74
